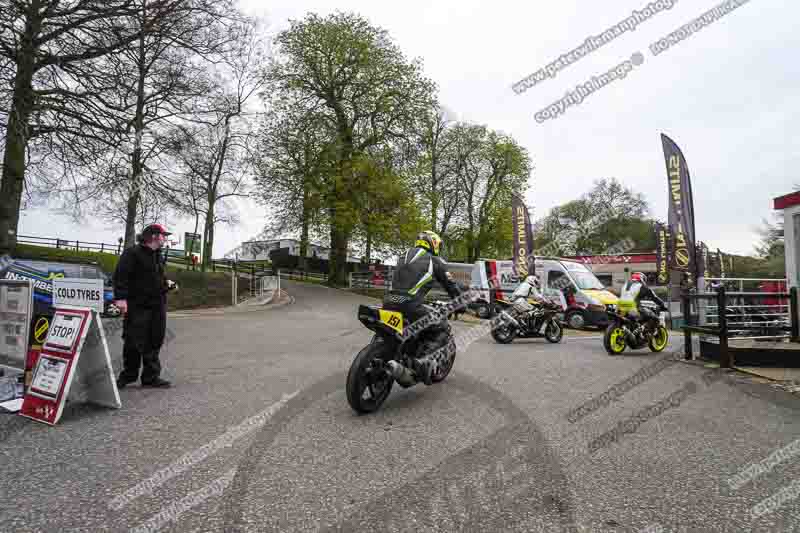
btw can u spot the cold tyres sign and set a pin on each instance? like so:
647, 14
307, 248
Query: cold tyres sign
78, 293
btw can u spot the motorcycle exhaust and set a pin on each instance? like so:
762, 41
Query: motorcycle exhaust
510, 319
404, 376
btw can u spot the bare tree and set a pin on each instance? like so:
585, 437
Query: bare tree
294, 164
218, 157
436, 177
52, 47
165, 81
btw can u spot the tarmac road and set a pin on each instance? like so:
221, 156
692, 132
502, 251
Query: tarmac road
257, 435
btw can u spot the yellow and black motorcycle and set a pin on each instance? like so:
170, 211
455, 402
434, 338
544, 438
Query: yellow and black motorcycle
624, 332
394, 351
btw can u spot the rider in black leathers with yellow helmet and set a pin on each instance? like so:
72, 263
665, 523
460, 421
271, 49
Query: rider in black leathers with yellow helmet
413, 279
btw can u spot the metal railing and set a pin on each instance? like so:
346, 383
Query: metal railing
302, 275
63, 244
369, 280
269, 284
727, 314
746, 319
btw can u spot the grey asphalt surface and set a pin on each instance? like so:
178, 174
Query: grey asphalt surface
490, 449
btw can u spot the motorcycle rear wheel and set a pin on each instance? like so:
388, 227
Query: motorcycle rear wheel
368, 374
444, 370
504, 334
614, 339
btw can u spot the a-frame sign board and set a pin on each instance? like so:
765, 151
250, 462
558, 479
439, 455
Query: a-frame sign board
66, 356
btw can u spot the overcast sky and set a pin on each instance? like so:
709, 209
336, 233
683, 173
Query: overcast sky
727, 96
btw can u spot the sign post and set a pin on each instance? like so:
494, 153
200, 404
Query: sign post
192, 244
78, 304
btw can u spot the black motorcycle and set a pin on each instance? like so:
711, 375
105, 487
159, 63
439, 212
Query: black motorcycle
542, 322
392, 353
624, 332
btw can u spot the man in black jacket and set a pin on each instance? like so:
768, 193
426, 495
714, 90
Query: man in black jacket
140, 290
413, 278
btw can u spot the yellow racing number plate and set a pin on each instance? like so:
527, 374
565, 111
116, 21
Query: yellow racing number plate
393, 319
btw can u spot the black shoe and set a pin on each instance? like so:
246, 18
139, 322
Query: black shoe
423, 368
157, 383
122, 383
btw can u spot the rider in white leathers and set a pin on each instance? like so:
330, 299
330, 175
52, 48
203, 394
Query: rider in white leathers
529, 288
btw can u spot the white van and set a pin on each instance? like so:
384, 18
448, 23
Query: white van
585, 298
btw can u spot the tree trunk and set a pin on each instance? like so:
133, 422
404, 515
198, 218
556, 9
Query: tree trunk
189, 246
340, 225
17, 133
337, 271
435, 193
369, 247
208, 245
303, 261
434, 209
137, 163
208, 237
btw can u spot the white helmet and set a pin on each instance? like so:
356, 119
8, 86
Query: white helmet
533, 280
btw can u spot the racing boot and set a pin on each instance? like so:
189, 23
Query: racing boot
423, 368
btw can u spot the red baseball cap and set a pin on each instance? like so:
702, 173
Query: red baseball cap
155, 229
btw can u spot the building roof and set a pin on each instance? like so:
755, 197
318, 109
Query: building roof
787, 200
613, 259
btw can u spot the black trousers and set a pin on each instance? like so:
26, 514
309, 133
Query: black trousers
143, 333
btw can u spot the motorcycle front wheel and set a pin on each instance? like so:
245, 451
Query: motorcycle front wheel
614, 339
368, 374
659, 339
554, 332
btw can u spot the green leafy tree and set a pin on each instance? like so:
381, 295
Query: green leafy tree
491, 167
368, 93
606, 215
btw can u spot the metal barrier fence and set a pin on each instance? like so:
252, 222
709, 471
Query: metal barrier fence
302, 275
732, 319
370, 280
64, 244
750, 313
269, 284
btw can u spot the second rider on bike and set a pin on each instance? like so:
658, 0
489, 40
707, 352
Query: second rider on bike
634, 292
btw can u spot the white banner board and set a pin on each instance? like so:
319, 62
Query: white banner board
63, 332
16, 308
78, 293
74, 365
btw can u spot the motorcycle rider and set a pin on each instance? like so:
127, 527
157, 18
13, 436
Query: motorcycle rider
634, 292
412, 280
529, 288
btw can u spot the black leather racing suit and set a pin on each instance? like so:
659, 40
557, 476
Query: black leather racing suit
413, 279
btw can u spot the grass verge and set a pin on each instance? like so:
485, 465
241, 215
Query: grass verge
197, 289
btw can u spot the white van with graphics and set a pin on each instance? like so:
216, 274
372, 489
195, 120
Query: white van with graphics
585, 298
